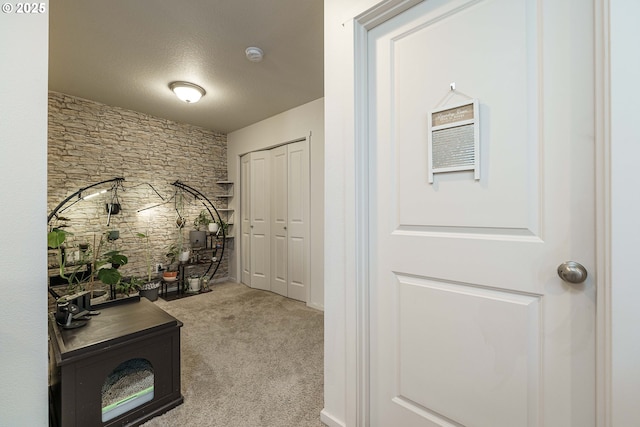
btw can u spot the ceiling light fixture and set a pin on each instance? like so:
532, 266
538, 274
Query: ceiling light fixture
187, 92
254, 54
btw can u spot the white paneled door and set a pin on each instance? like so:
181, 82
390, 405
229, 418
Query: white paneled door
470, 323
245, 217
290, 220
298, 257
275, 220
279, 221
255, 215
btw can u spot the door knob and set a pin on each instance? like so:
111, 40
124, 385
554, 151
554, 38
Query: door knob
572, 272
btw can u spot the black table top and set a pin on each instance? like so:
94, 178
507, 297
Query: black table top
113, 325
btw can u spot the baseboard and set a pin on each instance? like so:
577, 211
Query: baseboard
316, 306
329, 420
220, 280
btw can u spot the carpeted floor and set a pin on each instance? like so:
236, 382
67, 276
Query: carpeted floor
250, 358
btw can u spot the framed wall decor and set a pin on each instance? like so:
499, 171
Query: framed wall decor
454, 139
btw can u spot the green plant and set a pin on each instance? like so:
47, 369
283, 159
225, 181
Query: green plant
203, 219
223, 225
55, 240
110, 275
129, 285
172, 253
103, 267
147, 250
56, 237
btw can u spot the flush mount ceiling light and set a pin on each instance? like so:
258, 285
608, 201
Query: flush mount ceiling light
187, 92
254, 54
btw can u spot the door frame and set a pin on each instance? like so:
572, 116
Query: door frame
359, 328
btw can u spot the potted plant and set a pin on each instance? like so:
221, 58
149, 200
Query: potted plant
181, 251
148, 289
103, 267
184, 254
194, 283
172, 254
203, 220
171, 274
223, 226
198, 237
56, 239
129, 285
107, 267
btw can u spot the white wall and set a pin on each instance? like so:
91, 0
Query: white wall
625, 202
291, 125
23, 168
340, 373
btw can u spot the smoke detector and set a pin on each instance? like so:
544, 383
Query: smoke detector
254, 54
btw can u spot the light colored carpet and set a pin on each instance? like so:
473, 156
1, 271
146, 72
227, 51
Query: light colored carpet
250, 358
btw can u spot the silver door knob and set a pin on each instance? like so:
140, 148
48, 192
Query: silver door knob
572, 272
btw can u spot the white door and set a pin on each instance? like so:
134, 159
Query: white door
245, 219
279, 190
259, 219
298, 220
470, 324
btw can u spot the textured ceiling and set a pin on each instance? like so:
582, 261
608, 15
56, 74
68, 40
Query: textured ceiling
125, 53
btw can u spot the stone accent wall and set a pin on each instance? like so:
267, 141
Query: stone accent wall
90, 142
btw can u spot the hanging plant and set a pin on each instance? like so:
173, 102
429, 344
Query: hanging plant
180, 221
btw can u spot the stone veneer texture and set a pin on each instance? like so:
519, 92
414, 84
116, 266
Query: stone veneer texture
91, 142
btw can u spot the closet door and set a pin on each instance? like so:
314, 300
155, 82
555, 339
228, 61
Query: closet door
259, 213
298, 246
245, 219
279, 203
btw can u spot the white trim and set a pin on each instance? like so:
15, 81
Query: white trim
279, 144
382, 12
330, 420
623, 341
363, 23
603, 215
316, 306
362, 223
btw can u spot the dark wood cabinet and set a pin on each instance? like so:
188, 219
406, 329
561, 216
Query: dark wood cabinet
82, 359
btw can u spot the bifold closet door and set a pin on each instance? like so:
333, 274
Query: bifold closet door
255, 219
290, 220
298, 245
279, 205
245, 218
275, 252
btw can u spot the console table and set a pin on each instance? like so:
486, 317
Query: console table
81, 359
